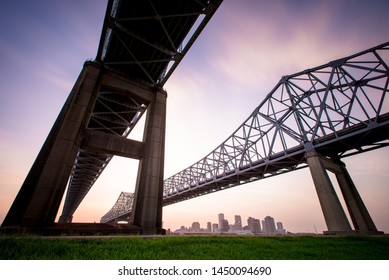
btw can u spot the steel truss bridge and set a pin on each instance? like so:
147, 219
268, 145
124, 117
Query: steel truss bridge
338, 109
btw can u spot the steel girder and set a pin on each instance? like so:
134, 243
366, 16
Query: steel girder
340, 108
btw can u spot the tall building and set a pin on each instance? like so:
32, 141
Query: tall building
221, 218
270, 225
209, 227
280, 228
254, 225
215, 227
195, 226
225, 226
238, 222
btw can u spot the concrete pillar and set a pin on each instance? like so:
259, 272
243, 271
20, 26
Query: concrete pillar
357, 209
39, 198
333, 212
147, 206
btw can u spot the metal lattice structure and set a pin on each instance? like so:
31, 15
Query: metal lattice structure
121, 207
339, 109
147, 39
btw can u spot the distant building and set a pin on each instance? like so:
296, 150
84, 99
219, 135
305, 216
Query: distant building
215, 227
195, 227
225, 226
280, 228
270, 226
220, 218
254, 225
238, 223
264, 230
209, 227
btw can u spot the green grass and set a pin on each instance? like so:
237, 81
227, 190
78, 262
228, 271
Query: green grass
195, 248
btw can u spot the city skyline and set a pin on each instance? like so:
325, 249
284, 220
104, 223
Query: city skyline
240, 56
267, 226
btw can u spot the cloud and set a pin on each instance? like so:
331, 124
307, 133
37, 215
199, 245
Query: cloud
261, 43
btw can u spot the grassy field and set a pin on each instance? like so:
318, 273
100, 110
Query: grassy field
195, 247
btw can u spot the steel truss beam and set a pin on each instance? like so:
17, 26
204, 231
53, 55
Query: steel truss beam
122, 207
340, 108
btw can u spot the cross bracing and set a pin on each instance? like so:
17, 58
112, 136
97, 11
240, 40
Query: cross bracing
147, 39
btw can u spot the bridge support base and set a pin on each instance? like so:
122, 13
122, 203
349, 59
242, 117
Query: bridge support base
334, 215
147, 207
37, 203
39, 198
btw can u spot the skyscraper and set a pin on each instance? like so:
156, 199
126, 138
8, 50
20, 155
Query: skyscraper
280, 228
238, 223
270, 225
254, 225
221, 218
209, 227
195, 226
225, 226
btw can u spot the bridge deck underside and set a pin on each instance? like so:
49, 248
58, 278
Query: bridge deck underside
142, 39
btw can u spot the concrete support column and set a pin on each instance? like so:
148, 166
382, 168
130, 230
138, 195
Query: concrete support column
357, 209
40, 196
147, 206
333, 212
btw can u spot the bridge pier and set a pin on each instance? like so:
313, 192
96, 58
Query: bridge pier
358, 212
333, 211
147, 206
37, 203
39, 198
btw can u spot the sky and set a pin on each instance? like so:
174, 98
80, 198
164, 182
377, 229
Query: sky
240, 56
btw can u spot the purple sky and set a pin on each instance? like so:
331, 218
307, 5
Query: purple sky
241, 55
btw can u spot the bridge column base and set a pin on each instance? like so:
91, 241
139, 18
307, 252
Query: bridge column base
333, 212
147, 206
359, 214
334, 215
39, 198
